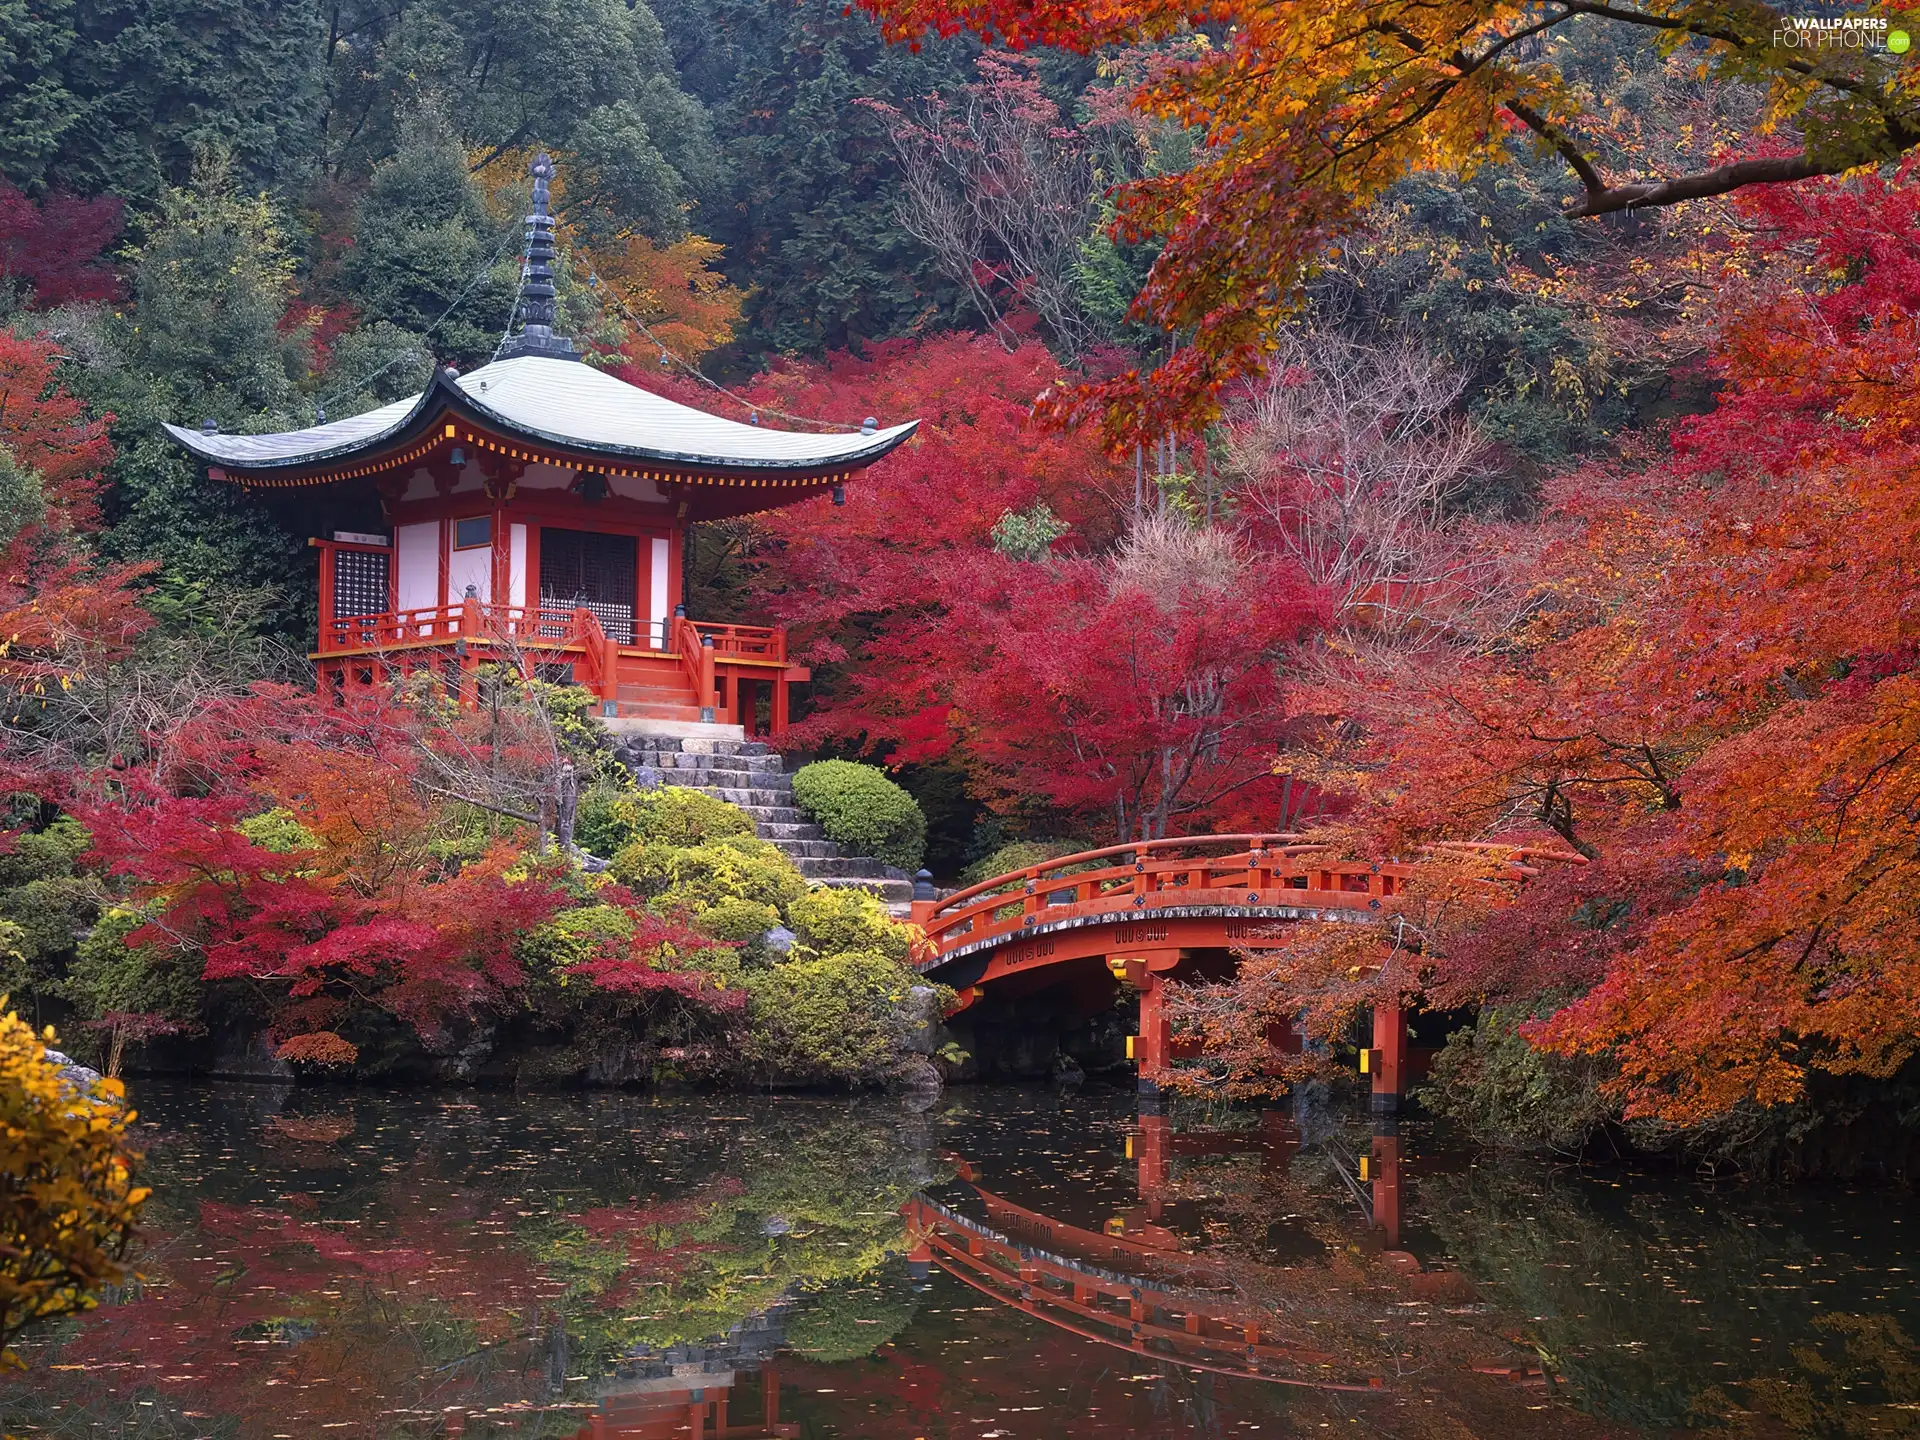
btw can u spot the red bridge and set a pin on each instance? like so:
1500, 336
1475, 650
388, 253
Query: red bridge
1058, 935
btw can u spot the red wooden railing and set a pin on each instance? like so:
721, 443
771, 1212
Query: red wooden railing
1267, 869
746, 642
538, 626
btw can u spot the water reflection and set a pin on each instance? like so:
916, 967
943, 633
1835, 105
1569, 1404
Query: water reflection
1016, 1264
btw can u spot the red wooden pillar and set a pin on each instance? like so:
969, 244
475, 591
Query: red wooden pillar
1153, 1046
769, 1397
1388, 1058
610, 671
706, 700
780, 702
326, 596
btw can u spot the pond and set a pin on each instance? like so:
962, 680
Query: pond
1010, 1263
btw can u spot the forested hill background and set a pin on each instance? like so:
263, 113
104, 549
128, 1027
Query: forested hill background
250, 212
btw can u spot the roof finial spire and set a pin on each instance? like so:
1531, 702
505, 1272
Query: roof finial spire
534, 307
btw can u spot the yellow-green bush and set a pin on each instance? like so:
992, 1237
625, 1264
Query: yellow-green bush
834, 1018
571, 937
610, 820
740, 921
67, 1198
733, 869
828, 920
1018, 855
277, 830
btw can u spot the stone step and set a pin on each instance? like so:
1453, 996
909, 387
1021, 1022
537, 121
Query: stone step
775, 814
751, 801
893, 892
777, 832
856, 867
799, 849
770, 781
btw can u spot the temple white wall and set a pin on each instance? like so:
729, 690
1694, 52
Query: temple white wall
417, 558
470, 567
658, 606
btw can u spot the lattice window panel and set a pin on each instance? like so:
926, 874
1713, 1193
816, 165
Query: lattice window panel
598, 573
360, 582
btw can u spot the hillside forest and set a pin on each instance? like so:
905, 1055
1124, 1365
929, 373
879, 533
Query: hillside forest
1505, 436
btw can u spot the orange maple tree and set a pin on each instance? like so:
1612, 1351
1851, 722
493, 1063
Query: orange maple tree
1306, 114
1716, 696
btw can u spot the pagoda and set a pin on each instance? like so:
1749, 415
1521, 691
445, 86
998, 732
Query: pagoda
533, 513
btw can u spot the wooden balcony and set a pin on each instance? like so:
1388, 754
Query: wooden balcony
687, 671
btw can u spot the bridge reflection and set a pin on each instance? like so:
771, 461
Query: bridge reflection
1138, 1285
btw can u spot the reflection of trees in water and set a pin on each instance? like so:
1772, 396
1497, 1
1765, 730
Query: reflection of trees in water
1648, 1304
398, 1255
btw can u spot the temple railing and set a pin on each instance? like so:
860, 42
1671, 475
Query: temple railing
745, 642
543, 627
546, 627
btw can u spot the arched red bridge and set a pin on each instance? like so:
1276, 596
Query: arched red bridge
1157, 910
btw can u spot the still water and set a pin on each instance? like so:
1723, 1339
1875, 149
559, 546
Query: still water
1011, 1263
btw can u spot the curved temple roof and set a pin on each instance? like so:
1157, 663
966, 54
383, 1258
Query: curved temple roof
557, 402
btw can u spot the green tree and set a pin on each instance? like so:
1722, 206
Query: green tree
592, 78
810, 217
423, 242
141, 87
203, 340
37, 110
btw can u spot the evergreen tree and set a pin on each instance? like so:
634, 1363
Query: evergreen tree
36, 107
810, 220
590, 78
139, 87
203, 340
426, 255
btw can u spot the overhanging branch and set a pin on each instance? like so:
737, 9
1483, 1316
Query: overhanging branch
1718, 181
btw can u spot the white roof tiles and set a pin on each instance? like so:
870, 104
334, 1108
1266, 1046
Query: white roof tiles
565, 403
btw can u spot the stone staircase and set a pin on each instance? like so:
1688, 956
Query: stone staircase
751, 775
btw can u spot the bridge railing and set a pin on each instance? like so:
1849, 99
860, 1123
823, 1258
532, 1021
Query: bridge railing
1153, 874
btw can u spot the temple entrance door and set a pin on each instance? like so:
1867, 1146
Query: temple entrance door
600, 573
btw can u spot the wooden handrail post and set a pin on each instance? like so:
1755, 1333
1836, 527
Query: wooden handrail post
326, 596
610, 671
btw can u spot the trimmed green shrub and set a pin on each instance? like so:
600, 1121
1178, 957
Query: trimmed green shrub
1018, 855
861, 809
846, 1319
737, 920
835, 1018
571, 937
828, 920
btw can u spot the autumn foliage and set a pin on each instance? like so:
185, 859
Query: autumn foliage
1306, 115
68, 1201
1712, 693
61, 612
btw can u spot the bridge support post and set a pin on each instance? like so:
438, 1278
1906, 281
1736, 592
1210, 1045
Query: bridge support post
1388, 1059
1153, 1046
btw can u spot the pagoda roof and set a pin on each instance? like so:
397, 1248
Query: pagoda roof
582, 413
